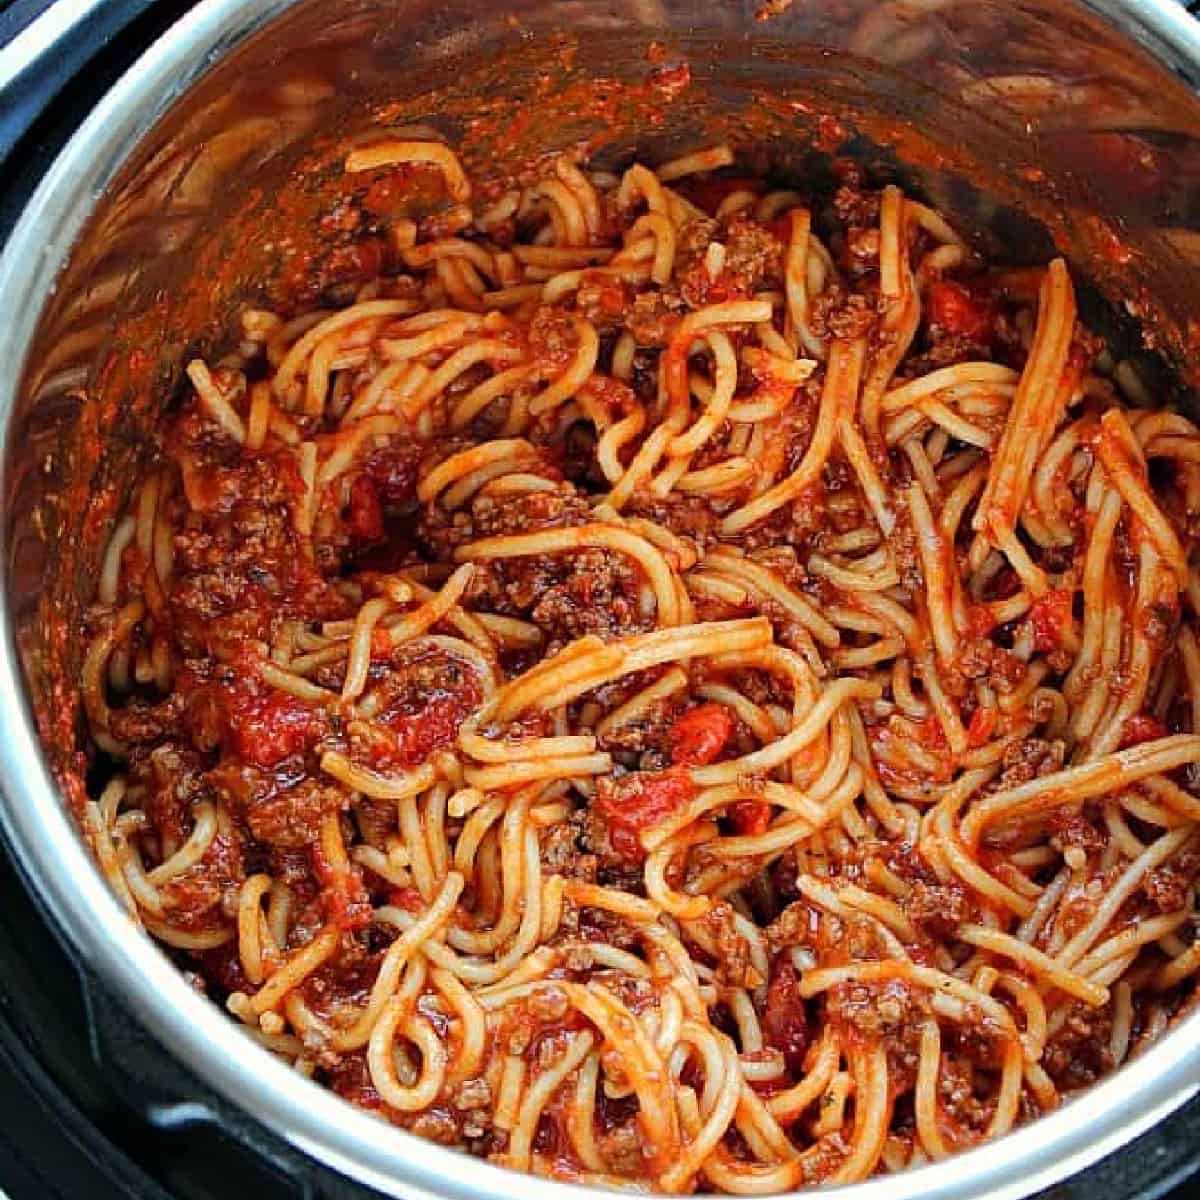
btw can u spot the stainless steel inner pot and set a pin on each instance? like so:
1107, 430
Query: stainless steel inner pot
170, 205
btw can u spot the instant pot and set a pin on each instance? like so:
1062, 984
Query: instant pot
144, 147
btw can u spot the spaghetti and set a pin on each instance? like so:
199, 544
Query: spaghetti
673, 684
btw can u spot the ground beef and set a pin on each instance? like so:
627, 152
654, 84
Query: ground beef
472, 1101
956, 1087
375, 819
937, 908
733, 951
292, 818
553, 341
854, 207
437, 1125
566, 595
1075, 829
753, 255
239, 568
946, 350
687, 516
797, 925
440, 533
649, 732
597, 925
613, 869
207, 891
561, 853
836, 313
142, 721
623, 1148
1078, 1054
603, 300
692, 241
981, 658
1029, 758
652, 316
173, 777
885, 1010
1170, 886
472, 1094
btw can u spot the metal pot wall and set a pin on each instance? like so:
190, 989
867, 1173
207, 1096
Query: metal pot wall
175, 201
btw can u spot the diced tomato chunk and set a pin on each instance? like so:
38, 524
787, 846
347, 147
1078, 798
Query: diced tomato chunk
785, 1022
1141, 727
699, 736
982, 726
958, 311
641, 801
750, 817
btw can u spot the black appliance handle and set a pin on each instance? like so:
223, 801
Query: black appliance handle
175, 1103
44, 45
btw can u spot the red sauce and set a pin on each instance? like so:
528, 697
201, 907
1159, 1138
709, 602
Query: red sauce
263, 725
393, 470
980, 620
929, 733
1107, 243
1005, 584
781, 229
418, 735
195, 895
390, 192
618, 398
350, 1079
671, 81
609, 297
831, 133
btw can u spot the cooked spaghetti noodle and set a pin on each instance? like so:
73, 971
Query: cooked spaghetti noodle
675, 684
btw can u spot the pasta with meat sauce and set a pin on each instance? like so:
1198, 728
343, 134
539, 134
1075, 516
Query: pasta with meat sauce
677, 683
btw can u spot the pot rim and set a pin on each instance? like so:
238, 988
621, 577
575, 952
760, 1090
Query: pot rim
53, 859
